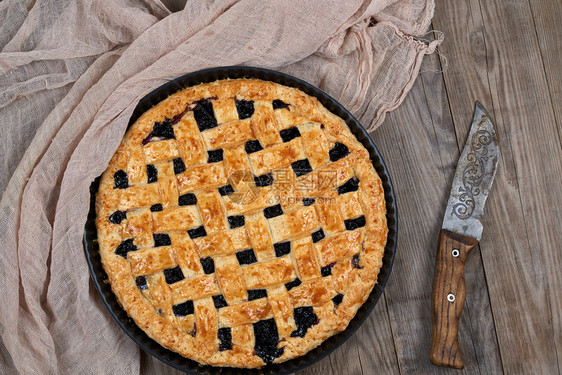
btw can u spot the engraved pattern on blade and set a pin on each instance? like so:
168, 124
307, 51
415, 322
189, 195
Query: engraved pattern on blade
473, 178
473, 174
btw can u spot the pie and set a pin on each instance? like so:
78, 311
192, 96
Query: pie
241, 223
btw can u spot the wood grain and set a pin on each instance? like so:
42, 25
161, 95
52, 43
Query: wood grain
447, 301
519, 254
477, 311
418, 156
547, 16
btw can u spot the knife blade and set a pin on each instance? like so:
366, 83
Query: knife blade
460, 233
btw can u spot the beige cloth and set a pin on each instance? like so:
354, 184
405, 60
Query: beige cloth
71, 73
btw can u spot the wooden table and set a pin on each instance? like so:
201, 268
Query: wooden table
507, 55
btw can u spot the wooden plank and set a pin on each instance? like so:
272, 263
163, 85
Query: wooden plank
323, 367
546, 17
477, 305
375, 344
421, 152
494, 57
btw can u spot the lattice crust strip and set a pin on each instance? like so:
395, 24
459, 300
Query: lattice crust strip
240, 223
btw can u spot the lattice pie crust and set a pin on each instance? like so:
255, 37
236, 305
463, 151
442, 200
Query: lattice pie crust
241, 223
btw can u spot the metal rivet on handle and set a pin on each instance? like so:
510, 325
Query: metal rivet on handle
451, 297
455, 253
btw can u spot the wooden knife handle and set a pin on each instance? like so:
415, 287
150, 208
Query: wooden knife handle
448, 297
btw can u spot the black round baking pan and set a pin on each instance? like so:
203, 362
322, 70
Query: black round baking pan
184, 364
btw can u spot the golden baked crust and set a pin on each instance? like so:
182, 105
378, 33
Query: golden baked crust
241, 223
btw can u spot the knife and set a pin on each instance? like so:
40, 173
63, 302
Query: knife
460, 233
